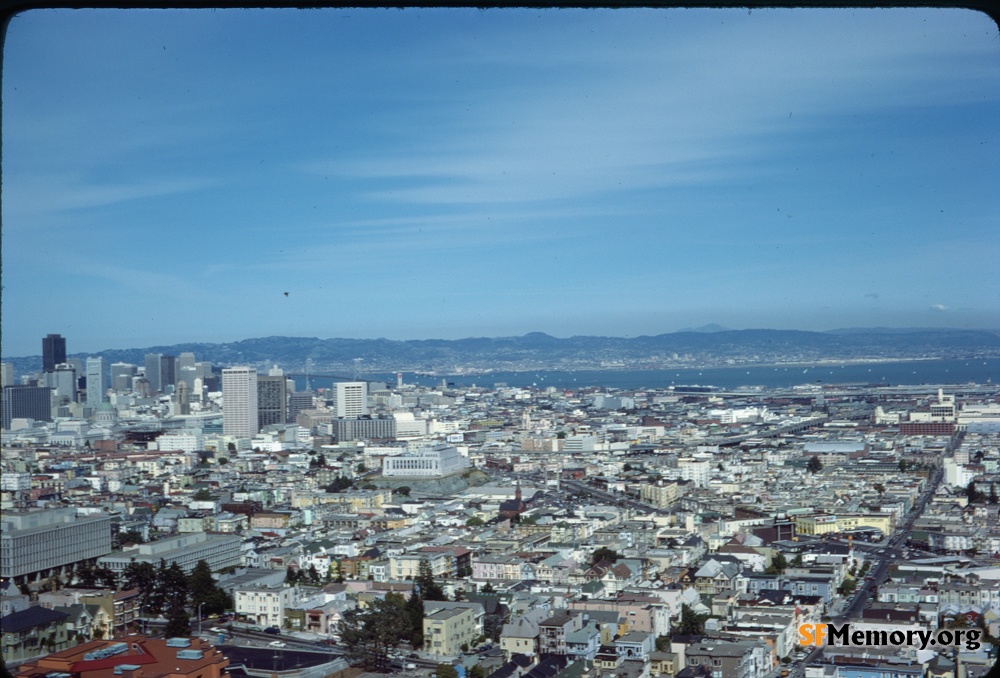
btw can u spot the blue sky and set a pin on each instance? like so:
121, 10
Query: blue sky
168, 176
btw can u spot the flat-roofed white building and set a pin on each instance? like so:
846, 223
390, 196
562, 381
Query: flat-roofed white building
427, 462
218, 550
36, 543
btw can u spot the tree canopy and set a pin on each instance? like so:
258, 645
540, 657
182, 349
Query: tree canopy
814, 465
426, 586
604, 553
369, 634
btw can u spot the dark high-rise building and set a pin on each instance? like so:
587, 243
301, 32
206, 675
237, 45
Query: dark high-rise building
152, 364
300, 400
53, 352
121, 377
272, 399
168, 371
25, 402
364, 428
161, 371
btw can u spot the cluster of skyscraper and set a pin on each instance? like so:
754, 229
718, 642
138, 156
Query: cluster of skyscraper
251, 401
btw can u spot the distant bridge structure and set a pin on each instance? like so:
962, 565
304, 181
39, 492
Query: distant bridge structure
335, 377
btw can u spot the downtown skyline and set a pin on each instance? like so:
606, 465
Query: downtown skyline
415, 174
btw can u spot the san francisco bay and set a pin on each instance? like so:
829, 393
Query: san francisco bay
911, 373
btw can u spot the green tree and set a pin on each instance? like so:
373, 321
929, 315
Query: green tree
107, 577
205, 592
477, 671
993, 494
360, 468
973, 493
415, 613
475, 521
426, 586
130, 537
86, 575
369, 634
174, 585
141, 576
178, 623
879, 487
692, 624
200, 583
814, 465
403, 490
445, 671
663, 643
202, 495
604, 553
778, 564
339, 484
847, 587
313, 574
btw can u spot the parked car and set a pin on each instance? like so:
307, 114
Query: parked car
273, 630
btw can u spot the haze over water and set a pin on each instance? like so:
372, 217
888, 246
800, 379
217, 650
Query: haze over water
909, 373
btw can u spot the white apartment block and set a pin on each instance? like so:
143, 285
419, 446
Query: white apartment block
186, 442
38, 542
218, 550
407, 565
428, 462
350, 399
265, 605
239, 402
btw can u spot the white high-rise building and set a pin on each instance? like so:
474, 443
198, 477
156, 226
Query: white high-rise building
350, 398
7, 371
239, 402
97, 381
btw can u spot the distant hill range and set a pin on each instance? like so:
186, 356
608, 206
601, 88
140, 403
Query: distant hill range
710, 345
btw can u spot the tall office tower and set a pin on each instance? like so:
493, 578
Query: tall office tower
209, 378
350, 398
25, 402
168, 372
6, 374
97, 381
272, 401
63, 380
239, 402
182, 397
299, 400
140, 387
186, 370
152, 363
53, 352
187, 375
121, 377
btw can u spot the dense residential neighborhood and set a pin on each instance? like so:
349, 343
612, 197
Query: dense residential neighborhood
236, 524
